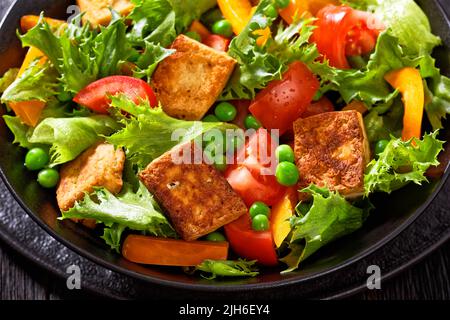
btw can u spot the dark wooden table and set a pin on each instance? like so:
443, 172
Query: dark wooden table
22, 279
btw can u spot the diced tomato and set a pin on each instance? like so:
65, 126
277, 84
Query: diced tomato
252, 176
283, 101
321, 106
250, 244
343, 31
95, 95
217, 42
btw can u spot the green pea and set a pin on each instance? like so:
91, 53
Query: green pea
36, 159
216, 237
260, 222
48, 178
287, 174
210, 118
284, 153
271, 12
282, 3
251, 122
193, 35
223, 28
380, 146
225, 111
259, 208
64, 96
211, 16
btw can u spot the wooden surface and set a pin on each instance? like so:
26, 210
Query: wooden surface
21, 279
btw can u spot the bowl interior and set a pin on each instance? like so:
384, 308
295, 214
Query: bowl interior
393, 212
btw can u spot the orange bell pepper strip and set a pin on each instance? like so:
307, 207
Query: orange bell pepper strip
30, 21
357, 106
410, 84
281, 212
198, 27
237, 12
29, 111
171, 252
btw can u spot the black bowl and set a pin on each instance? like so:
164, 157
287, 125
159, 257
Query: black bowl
394, 213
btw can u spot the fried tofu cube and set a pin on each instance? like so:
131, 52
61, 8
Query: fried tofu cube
197, 198
99, 166
332, 150
189, 82
97, 12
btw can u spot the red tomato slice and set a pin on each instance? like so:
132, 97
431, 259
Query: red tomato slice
250, 244
343, 31
283, 101
217, 42
321, 106
252, 177
95, 95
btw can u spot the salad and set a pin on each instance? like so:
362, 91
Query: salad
222, 136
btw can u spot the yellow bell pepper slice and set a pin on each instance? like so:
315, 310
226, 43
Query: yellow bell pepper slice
409, 83
280, 214
198, 27
297, 8
237, 12
29, 111
30, 21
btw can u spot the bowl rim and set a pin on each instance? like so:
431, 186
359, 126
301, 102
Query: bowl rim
229, 288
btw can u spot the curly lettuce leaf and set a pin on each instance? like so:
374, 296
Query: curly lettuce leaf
328, 218
227, 268
69, 137
150, 58
148, 133
381, 126
134, 210
113, 235
159, 21
79, 54
402, 162
20, 131
38, 82
8, 78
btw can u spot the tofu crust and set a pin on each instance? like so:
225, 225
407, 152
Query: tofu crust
189, 82
332, 150
97, 11
197, 198
99, 166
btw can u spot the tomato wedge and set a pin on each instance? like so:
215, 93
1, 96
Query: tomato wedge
283, 101
253, 177
217, 42
95, 95
171, 252
343, 31
250, 244
321, 106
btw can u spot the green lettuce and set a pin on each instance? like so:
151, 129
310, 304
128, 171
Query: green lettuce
402, 162
382, 125
150, 58
69, 137
159, 21
134, 210
148, 133
38, 82
328, 218
8, 78
112, 234
79, 54
20, 131
227, 268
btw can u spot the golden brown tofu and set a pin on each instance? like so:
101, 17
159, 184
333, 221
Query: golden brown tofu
97, 11
196, 197
99, 166
332, 150
189, 82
